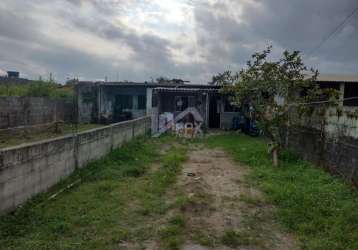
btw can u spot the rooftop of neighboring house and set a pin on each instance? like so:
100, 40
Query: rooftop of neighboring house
180, 84
337, 78
152, 84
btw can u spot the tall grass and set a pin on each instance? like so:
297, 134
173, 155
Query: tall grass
37, 89
320, 209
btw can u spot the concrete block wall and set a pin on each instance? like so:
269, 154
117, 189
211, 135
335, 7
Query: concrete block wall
337, 155
29, 111
343, 125
27, 170
335, 147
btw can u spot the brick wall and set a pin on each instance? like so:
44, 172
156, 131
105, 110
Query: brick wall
27, 170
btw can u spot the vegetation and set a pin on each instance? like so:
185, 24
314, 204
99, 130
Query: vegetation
121, 200
320, 209
235, 239
38, 89
271, 88
129, 199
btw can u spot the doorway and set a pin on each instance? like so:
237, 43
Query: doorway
214, 112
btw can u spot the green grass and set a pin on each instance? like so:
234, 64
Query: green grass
118, 200
320, 209
172, 235
234, 239
38, 89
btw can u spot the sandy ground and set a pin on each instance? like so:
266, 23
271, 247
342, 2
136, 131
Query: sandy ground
226, 203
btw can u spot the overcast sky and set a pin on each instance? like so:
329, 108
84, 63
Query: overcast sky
191, 39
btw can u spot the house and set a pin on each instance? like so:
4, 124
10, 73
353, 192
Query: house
108, 102
13, 77
347, 85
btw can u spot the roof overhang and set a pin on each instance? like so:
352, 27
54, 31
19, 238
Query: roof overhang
327, 78
185, 90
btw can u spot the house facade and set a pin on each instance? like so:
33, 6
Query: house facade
109, 102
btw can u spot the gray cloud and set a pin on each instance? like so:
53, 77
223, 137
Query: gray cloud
77, 37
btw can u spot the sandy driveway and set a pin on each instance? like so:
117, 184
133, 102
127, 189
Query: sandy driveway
224, 211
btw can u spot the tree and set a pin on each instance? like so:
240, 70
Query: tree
227, 78
165, 80
272, 89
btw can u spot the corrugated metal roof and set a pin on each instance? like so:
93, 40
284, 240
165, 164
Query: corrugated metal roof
163, 89
150, 84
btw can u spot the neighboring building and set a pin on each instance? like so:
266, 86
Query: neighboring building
13, 77
346, 84
13, 74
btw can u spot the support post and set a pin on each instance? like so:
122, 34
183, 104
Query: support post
341, 94
207, 105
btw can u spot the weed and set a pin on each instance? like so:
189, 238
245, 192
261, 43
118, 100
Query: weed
172, 234
37, 89
177, 220
204, 239
233, 238
250, 200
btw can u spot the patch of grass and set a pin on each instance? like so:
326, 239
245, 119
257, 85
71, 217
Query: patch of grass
233, 238
172, 235
196, 202
38, 89
178, 220
203, 239
250, 200
320, 209
118, 200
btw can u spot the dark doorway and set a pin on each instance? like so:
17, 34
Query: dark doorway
214, 114
122, 108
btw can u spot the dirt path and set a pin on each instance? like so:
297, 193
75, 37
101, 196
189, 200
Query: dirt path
218, 207
223, 211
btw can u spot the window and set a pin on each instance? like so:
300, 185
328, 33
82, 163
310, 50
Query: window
142, 102
124, 102
155, 100
181, 103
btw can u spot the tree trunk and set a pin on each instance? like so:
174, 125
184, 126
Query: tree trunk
275, 157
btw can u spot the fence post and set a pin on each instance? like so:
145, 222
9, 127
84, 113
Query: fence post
75, 150
112, 139
133, 129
